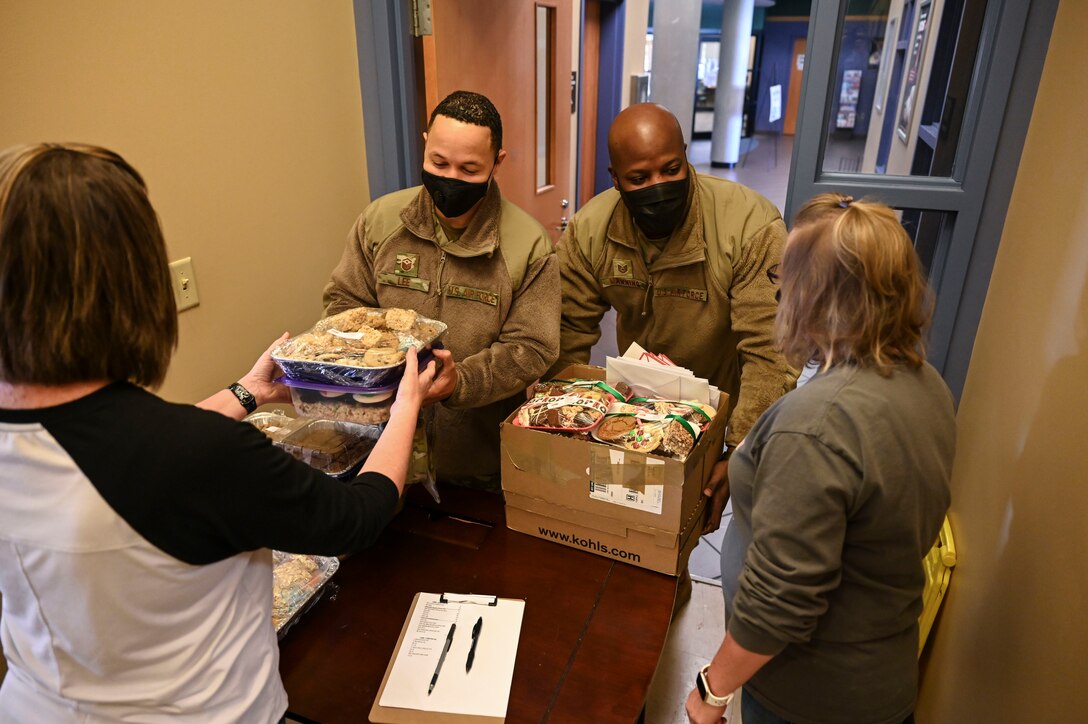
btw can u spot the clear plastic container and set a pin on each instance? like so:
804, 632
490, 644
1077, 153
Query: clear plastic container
275, 424
334, 351
298, 581
333, 447
357, 405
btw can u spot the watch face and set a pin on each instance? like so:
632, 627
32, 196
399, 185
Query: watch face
701, 686
708, 696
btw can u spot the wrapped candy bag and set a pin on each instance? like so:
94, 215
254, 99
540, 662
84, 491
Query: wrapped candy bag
665, 427
574, 406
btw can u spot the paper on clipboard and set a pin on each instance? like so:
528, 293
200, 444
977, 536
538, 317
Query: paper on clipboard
482, 692
653, 379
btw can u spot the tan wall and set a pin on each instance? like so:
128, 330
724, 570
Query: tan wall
1012, 641
245, 119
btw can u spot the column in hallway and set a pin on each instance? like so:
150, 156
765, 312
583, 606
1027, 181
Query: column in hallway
675, 59
732, 79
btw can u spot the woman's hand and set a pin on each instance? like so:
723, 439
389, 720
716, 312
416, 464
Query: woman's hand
699, 712
259, 379
414, 385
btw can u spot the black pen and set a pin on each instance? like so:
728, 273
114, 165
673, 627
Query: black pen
475, 637
445, 648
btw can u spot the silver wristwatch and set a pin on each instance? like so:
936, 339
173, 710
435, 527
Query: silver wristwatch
709, 697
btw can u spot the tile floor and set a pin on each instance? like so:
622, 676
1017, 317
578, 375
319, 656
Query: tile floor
705, 562
761, 168
693, 639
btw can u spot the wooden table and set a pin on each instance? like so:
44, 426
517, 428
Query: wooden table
590, 641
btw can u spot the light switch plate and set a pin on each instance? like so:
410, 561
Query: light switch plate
181, 274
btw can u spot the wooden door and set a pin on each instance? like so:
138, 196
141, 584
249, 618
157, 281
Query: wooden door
793, 98
518, 54
587, 121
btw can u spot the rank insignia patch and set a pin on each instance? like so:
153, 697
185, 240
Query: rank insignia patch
621, 268
407, 265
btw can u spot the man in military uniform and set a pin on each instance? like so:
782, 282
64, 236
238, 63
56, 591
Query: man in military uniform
688, 263
455, 250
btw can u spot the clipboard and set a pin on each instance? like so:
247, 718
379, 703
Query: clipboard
505, 623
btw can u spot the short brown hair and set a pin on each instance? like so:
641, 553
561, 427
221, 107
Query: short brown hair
473, 109
852, 288
85, 290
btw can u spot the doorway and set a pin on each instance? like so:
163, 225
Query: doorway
518, 54
793, 99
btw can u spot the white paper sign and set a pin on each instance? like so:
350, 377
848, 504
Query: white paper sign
776, 103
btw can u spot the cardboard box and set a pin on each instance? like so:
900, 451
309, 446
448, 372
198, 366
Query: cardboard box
641, 509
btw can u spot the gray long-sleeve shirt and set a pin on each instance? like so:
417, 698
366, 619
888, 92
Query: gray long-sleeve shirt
838, 492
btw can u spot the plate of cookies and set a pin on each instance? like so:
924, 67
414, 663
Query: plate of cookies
361, 347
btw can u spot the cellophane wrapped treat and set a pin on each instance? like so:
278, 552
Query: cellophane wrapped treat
662, 427
362, 347
570, 406
297, 583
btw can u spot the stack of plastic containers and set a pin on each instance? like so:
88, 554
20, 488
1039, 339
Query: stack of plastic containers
343, 384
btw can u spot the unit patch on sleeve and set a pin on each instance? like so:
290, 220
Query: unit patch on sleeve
475, 295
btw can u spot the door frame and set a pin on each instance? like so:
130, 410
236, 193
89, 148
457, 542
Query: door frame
793, 112
392, 111
995, 123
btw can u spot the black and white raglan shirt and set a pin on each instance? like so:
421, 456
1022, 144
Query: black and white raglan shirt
135, 564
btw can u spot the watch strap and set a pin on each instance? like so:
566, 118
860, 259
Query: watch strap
245, 397
709, 697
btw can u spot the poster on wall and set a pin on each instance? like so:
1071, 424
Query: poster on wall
891, 39
848, 99
914, 71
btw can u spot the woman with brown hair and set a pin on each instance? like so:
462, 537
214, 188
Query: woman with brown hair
839, 489
134, 533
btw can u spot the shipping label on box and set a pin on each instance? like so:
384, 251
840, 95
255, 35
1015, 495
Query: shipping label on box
604, 486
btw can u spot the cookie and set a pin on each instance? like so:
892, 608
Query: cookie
677, 439
645, 439
400, 320
616, 426
382, 357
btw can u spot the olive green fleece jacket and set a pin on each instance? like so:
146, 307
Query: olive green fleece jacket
706, 301
497, 289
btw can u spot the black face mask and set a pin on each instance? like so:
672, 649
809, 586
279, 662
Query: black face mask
660, 208
453, 196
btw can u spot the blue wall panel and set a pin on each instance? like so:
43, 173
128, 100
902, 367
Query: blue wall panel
859, 37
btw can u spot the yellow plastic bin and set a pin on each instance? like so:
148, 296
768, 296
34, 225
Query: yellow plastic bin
938, 565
